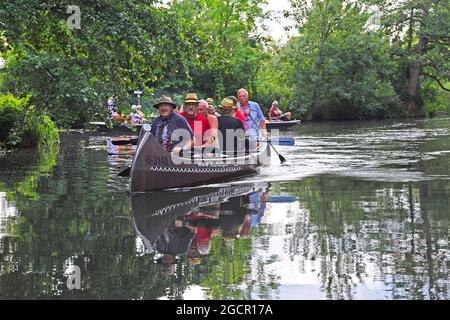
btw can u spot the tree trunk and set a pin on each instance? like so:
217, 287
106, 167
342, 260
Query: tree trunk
415, 68
415, 71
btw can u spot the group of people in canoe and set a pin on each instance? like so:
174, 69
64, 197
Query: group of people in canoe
199, 125
234, 127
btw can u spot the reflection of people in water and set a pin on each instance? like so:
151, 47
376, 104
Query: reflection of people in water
232, 217
179, 224
176, 240
118, 155
256, 203
206, 220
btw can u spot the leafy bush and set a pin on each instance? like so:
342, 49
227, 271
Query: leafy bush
22, 126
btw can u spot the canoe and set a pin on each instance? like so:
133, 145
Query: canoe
153, 168
281, 124
117, 128
153, 212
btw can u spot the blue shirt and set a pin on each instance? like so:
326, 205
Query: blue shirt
257, 115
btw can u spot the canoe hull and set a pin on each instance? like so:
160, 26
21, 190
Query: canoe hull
103, 127
155, 169
270, 125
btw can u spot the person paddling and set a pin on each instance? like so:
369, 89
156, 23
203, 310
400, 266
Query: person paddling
254, 118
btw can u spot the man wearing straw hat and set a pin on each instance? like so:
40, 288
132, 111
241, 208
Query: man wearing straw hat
231, 129
198, 123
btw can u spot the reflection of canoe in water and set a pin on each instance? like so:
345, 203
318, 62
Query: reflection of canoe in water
154, 168
281, 124
153, 212
117, 128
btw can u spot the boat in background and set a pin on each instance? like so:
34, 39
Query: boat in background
116, 128
280, 125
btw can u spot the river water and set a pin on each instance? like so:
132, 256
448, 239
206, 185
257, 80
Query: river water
359, 211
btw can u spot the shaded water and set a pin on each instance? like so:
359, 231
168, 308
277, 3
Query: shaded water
360, 211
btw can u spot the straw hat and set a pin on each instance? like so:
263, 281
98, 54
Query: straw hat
191, 98
210, 101
227, 104
164, 99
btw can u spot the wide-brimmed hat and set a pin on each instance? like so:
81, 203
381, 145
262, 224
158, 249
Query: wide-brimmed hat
227, 104
164, 99
234, 99
210, 101
191, 98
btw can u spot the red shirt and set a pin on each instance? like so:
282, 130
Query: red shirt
199, 125
241, 117
274, 113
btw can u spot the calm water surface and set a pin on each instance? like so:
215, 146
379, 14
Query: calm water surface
360, 211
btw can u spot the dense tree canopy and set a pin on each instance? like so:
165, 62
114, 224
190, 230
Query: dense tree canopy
343, 64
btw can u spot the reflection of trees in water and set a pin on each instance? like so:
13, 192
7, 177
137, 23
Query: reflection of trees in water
368, 231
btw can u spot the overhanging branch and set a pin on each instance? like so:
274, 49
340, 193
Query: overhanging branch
437, 80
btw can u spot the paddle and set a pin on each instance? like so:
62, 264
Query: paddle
123, 141
281, 199
281, 141
125, 172
282, 159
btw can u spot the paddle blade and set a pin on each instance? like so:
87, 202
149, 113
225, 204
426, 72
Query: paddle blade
121, 142
282, 159
125, 172
282, 141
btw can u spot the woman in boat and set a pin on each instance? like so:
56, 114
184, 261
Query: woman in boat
167, 122
275, 114
137, 116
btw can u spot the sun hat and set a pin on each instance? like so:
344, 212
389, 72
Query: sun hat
191, 98
164, 99
227, 104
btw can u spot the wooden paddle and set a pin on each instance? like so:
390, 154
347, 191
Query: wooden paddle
125, 172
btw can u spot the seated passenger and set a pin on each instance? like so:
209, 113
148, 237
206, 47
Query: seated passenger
212, 107
276, 114
212, 119
137, 116
198, 123
167, 122
231, 129
238, 114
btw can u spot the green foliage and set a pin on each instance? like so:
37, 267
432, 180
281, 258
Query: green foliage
419, 34
341, 71
10, 113
23, 126
224, 50
71, 73
343, 64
